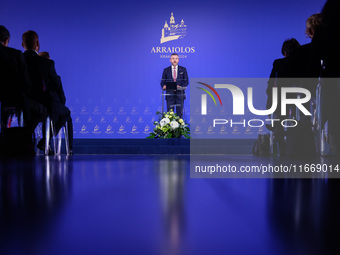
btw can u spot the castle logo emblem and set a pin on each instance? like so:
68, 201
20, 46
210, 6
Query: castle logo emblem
173, 31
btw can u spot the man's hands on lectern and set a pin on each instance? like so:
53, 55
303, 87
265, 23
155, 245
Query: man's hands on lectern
164, 87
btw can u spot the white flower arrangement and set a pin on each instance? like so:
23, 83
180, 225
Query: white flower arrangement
164, 121
174, 124
170, 125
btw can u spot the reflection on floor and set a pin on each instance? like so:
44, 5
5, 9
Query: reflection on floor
91, 204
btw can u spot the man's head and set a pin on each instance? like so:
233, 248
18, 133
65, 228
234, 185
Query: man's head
174, 59
289, 46
312, 24
30, 40
4, 35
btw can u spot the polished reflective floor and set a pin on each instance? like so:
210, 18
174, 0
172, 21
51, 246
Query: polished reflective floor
106, 204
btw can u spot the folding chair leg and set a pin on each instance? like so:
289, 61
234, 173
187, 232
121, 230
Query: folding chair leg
58, 152
66, 139
53, 136
47, 135
21, 119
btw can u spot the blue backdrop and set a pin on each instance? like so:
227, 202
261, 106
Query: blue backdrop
111, 58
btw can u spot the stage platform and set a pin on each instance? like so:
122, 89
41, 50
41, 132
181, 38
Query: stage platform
162, 146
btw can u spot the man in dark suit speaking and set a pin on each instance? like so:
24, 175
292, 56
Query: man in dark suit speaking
179, 75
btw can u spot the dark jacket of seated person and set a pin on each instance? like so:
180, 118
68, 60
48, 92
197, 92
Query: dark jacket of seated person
46, 85
14, 82
15, 87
